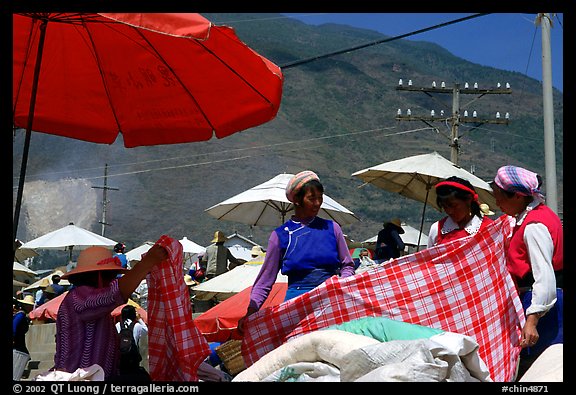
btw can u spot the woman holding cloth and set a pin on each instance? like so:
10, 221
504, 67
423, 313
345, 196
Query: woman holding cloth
458, 198
306, 248
534, 258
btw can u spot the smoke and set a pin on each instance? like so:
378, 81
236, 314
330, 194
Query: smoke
51, 205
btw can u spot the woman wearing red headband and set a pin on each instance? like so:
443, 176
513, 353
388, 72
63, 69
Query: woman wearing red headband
458, 198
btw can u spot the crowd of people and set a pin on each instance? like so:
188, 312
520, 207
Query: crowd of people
309, 250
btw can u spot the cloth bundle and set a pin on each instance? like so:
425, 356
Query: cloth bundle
176, 347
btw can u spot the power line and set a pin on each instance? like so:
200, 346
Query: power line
310, 140
351, 49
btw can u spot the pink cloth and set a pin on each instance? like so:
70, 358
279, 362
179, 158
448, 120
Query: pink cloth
462, 287
176, 347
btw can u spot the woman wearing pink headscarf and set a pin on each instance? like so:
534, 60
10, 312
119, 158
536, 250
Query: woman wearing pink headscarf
534, 257
306, 248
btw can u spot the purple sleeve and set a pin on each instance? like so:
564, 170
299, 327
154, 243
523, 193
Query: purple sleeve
267, 275
343, 252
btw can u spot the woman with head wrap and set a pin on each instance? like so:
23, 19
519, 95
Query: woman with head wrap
458, 198
306, 248
534, 258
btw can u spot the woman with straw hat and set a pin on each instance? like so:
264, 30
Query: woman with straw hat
306, 248
85, 332
389, 244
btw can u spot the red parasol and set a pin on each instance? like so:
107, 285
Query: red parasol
49, 310
155, 78
220, 323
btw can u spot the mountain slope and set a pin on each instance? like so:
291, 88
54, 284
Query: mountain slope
337, 116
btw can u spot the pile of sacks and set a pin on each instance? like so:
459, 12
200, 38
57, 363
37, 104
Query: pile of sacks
372, 349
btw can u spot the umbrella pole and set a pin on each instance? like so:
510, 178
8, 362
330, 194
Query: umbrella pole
29, 129
422, 221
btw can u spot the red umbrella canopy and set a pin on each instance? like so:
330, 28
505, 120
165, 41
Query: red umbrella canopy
49, 310
220, 323
155, 78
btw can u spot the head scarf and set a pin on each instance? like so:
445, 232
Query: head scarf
517, 179
458, 185
297, 182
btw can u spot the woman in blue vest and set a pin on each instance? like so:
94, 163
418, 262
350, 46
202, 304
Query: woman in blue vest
306, 248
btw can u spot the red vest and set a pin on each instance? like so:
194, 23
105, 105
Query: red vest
518, 261
456, 233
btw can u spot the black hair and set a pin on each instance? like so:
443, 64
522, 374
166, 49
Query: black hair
312, 184
119, 247
444, 192
56, 278
129, 313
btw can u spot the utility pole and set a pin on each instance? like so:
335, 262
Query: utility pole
105, 202
548, 107
455, 118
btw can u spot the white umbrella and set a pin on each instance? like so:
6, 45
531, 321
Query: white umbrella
409, 237
19, 268
232, 282
22, 254
415, 177
47, 280
135, 254
191, 251
69, 237
266, 204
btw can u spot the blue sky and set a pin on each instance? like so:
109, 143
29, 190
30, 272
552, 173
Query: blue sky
505, 41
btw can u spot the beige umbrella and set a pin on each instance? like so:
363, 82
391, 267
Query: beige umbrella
415, 177
266, 205
67, 238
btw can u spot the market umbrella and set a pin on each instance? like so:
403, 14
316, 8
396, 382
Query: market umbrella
47, 280
49, 310
232, 282
191, 251
22, 254
155, 78
220, 323
411, 237
135, 254
415, 177
266, 204
67, 238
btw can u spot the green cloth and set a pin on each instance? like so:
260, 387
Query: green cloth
384, 329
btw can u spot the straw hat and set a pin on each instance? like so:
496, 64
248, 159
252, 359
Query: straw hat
256, 250
397, 223
28, 299
188, 279
218, 237
94, 259
486, 209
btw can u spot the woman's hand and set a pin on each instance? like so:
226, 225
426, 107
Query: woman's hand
529, 333
249, 312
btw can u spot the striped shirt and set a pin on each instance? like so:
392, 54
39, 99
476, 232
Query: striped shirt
85, 332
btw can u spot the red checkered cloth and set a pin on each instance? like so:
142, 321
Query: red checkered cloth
175, 346
462, 287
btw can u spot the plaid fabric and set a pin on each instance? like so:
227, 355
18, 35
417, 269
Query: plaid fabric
462, 287
175, 346
517, 179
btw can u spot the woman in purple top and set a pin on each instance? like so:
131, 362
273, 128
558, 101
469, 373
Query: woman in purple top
306, 248
85, 332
